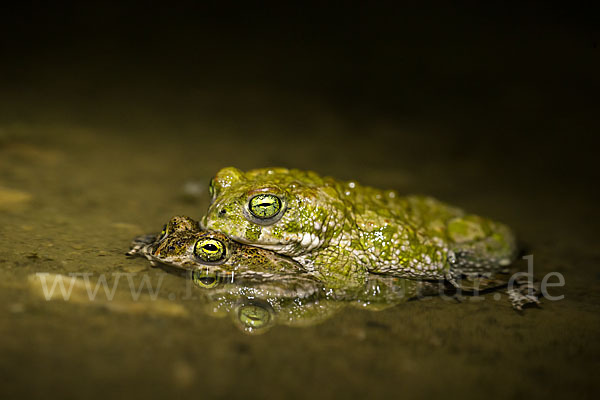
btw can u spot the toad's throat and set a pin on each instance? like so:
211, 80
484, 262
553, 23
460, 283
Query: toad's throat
292, 245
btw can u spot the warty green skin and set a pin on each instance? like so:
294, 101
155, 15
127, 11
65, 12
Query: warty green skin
340, 230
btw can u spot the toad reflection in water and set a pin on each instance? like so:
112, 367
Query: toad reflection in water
256, 305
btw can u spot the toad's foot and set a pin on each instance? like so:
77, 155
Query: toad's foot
523, 293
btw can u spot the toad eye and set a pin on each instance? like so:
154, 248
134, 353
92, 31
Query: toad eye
204, 280
209, 250
264, 206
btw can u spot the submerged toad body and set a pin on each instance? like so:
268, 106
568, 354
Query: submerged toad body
339, 230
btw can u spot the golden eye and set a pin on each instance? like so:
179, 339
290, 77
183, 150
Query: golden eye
264, 206
209, 250
204, 279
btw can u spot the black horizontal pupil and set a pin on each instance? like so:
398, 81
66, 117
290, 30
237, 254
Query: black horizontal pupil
210, 247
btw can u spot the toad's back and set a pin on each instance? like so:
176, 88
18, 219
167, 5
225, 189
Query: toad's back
346, 229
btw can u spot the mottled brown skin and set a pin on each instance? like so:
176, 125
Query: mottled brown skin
175, 246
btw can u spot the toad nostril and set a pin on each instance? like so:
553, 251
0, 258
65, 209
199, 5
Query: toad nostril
222, 211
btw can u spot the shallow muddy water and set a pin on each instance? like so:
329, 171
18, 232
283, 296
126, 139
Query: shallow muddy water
96, 152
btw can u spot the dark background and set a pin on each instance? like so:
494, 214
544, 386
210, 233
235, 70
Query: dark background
452, 66
510, 90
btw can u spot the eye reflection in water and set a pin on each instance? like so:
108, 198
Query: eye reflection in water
257, 305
